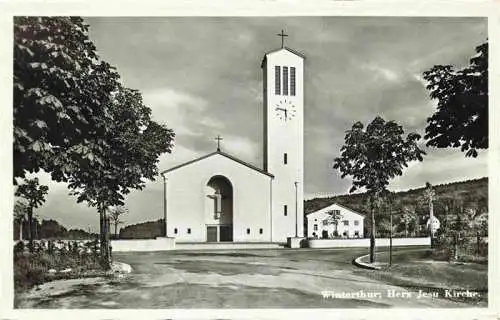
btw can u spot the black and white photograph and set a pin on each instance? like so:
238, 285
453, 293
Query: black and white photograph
249, 162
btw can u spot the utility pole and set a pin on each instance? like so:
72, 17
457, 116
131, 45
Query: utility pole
296, 211
165, 201
390, 231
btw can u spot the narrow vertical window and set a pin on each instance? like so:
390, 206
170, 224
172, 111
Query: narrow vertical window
285, 81
277, 82
285, 210
248, 230
175, 230
292, 81
261, 231
189, 230
285, 158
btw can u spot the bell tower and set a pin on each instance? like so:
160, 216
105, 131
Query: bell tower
283, 79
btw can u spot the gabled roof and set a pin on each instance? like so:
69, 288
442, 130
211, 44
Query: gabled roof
224, 155
284, 48
335, 204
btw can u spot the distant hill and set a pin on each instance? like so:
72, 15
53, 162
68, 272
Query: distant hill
144, 230
470, 191
50, 229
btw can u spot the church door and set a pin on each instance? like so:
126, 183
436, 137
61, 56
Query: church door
226, 233
211, 233
219, 209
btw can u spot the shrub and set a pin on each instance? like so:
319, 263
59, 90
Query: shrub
31, 269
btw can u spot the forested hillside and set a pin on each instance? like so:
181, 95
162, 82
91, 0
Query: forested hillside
144, 230
450, 199
49, 229
470, 192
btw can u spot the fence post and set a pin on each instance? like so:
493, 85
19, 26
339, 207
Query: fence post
478, 237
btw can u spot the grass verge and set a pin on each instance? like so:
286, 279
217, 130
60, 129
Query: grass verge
418, 270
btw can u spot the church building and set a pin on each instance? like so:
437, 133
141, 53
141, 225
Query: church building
218, 197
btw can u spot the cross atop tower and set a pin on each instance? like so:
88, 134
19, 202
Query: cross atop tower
218, 138
282, 35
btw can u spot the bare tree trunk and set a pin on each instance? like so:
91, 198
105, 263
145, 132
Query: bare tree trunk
478, 238
21, 230
101, 232
390, 237
103, 237
116, 229
445, 218
30, 230
372, 235
108, 247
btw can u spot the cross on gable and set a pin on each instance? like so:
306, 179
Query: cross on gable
282, 35
218, 138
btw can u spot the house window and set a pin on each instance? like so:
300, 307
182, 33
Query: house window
292, 81
285, 210
189, 230
175, 230
325, 222
261, 231
346, 222
335, 212
248, 230
285, 81
285, 158
277, 80
356, 222
315, 227
356, 233
344, 234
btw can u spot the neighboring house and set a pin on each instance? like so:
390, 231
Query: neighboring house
435, 224
350, 224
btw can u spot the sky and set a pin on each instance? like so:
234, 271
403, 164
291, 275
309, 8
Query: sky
201, 76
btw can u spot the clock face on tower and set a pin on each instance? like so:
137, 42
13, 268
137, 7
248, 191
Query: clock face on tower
285, 110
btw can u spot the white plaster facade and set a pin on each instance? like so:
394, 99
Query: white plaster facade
207, 195
350, 224
285, 135
189, 209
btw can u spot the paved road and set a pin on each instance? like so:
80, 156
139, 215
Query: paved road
231, 279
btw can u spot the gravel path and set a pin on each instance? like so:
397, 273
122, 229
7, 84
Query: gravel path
231, 279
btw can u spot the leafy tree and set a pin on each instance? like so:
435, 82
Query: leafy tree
60, 88
20, 211
34, 194
73, 119
50, 229
131, 146
115, 216
429, 194
374, 155
407, 218
334, 217
461, 119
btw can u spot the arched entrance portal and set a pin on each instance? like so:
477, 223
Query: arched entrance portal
219, 209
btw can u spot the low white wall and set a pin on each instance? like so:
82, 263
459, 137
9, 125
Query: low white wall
159, 244
339, 243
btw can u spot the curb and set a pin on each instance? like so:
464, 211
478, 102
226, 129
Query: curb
364, 265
